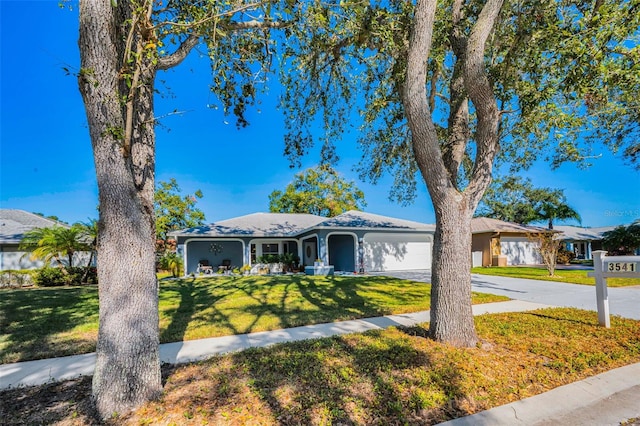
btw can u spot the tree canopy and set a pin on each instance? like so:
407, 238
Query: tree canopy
622, 240
514, 199
563, 74
173, 211
320, 191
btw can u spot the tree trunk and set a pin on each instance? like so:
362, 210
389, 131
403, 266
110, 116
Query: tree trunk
451, 313
120, 118
85, 275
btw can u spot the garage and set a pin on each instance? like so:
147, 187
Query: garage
396, 252
520, 251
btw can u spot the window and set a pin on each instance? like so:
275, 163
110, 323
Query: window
270, 248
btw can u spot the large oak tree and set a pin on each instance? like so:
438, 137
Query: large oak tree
447, 88
123, 44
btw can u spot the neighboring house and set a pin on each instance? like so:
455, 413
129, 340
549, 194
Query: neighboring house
13, 225
498, 243
583, 241
352, 242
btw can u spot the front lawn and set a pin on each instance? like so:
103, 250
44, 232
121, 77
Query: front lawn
45, 322
383, 377
561, 275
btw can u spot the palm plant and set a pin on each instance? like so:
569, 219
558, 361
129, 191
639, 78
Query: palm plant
559, 210
171, 262
52, 244
89, 236
622, 240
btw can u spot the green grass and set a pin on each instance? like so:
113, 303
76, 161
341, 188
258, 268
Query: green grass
389, 377
563, 276
44, 322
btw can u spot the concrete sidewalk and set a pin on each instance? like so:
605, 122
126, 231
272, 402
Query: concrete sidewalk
606, 399
32, 373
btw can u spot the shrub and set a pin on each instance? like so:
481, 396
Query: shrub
564, 256
92, 276
54, 277
269, 258
622, 240
51, 277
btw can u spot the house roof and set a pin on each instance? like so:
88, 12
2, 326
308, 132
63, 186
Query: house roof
481, 225
576, 233
255, 225
293, 224
362, 220
14, 224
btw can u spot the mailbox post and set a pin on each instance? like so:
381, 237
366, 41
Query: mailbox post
602, 295
607, 267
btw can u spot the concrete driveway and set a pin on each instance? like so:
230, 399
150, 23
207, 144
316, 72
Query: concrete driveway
624, 302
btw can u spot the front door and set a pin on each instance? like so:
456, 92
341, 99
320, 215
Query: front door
310, 253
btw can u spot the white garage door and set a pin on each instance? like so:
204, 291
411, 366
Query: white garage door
396, 252
520, 251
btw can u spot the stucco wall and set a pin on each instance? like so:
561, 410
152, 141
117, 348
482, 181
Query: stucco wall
482, 242
11, 258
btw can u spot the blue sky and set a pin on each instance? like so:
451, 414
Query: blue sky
46, 163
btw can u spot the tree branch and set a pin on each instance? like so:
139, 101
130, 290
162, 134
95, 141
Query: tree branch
424, 137
480, 91
228, 13
170, 61
192, 41
254, 24
454, 149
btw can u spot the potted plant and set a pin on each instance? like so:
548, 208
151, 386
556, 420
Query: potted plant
289, 260
245, 269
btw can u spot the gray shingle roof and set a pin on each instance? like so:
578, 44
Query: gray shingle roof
256, 225
576, 233
14, 223
292, 224
480, 225
357, 219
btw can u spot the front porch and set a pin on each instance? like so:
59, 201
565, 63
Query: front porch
220, 255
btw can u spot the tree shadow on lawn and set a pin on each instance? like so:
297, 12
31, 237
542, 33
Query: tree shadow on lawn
306, 301
196, 297
335, 300
283, 302
180, 316
33, 322
357, 379
238, 305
